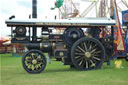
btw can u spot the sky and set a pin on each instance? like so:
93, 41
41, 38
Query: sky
23, 8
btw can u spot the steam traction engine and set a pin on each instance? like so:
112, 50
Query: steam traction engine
82, 50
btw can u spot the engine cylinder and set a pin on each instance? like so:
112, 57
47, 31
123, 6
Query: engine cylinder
45, 47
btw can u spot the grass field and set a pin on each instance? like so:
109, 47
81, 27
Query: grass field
12, 73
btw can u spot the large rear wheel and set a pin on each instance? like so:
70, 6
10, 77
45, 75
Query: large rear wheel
87, 54
34, 61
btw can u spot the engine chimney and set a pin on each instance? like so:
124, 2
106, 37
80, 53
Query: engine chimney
34, 15
34, 9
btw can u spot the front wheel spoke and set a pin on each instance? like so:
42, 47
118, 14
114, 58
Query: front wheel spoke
32, 55
39, 65
28, 61
36, 67
40, 62
38, 57
29, 66
28, 57
33, 67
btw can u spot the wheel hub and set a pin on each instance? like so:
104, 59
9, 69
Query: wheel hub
20, 30
87, 54
34, 61
74, 35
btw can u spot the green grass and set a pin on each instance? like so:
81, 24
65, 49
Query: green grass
12, 73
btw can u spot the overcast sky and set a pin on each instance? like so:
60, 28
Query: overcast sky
22, 8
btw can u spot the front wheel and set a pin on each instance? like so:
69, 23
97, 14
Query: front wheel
34, 61
87, 54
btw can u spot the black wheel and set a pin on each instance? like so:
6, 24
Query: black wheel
87, 54
34, 61
71, 35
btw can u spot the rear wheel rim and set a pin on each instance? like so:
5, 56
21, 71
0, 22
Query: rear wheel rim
87, 54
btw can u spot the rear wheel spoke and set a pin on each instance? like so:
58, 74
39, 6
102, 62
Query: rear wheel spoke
92, 63
86, 64
80, 54
81, 62
77, 57
90, 46
96, 58
81, 49
85, 46
80, 59
77, 50
93, 50
93, 47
